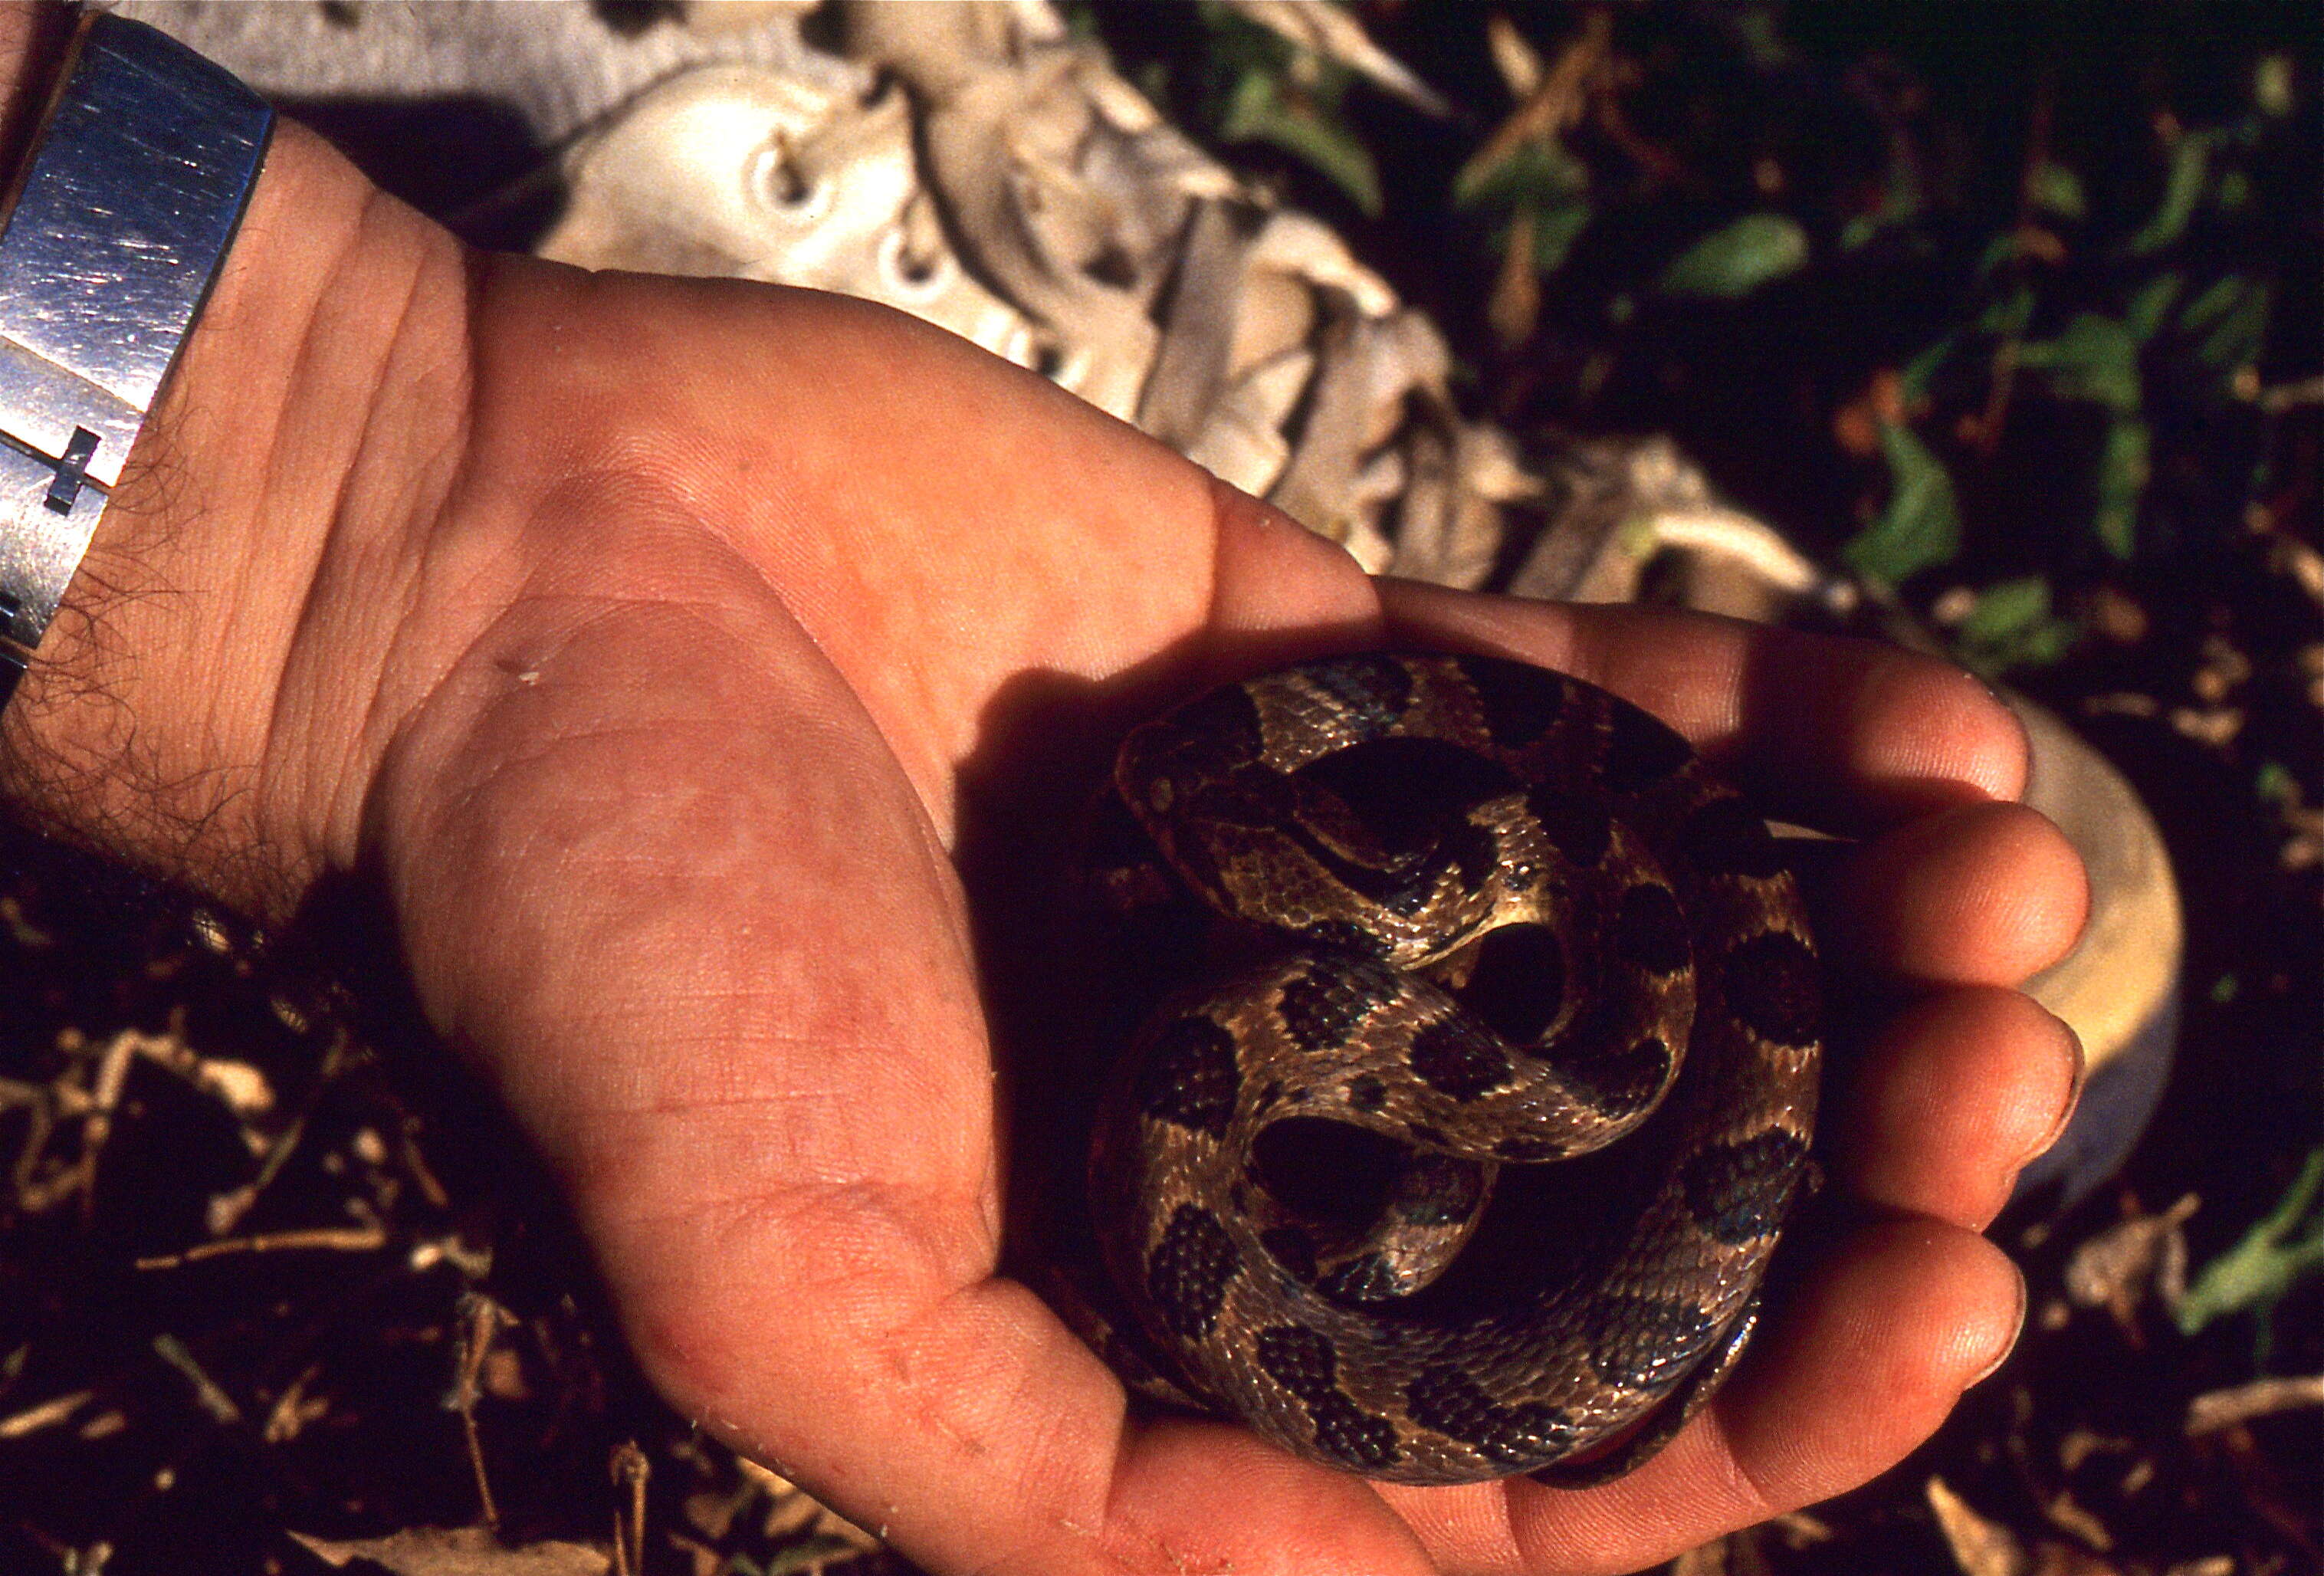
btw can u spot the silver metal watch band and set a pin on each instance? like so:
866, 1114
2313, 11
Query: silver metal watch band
137, 180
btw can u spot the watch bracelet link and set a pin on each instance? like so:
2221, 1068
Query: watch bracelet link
136, 182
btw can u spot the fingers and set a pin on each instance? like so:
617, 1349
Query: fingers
1869, 1358
1861, 1366
1987, 894
1957, 899
1280, 593
1846, 734
1958, 1093
1968, 1081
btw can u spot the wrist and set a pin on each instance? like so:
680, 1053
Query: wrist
157, 722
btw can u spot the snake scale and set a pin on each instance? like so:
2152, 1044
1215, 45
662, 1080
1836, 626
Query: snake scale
1451, 919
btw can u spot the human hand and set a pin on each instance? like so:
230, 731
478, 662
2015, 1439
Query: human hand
652, 645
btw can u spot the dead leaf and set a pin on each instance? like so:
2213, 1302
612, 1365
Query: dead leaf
2081, 1444
2117, 616
2114, 1269
1513, 56
2066, 1516
2057, 1559
1337, 35
1980, 1547
1801, 1530
2212, 725
459, 1550
810, 1556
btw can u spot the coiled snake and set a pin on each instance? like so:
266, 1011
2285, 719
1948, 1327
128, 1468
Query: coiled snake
1457, 918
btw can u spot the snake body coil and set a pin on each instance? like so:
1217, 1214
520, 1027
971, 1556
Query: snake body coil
1463, 917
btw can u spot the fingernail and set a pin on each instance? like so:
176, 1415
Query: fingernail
2078, 1074
2016, 1329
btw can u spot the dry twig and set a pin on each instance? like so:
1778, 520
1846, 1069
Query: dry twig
336, 1239
481, 1320
2217, 1409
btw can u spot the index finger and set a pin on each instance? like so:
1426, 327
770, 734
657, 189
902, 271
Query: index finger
1849, 735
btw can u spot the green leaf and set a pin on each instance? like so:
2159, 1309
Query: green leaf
2122, 471
2054, 188
1554, 231
2006, 316
1756, 30
2095, 359
1900, 203
2007, 609
2282, 1249
2228, 322
2217, 300
2000, 250
2012, 626
2148, 308
1921, 372
1858, 232
1535, 171
1733, 262
2271, 86
1921, 526
1262, 110
2183, 188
